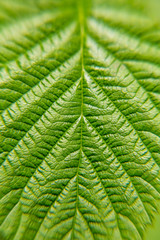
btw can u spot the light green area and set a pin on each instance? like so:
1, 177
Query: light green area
153, 233
79, 119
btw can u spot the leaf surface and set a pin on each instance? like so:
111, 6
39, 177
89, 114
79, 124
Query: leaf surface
79, 119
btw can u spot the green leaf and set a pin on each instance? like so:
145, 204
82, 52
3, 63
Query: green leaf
79, 119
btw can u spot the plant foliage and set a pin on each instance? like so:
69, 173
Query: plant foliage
79, 119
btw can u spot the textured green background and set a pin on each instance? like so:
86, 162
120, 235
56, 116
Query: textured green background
79, 119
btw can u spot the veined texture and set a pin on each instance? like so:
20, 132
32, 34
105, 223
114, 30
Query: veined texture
79, 119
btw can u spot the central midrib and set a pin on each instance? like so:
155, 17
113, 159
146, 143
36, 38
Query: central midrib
81, 21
